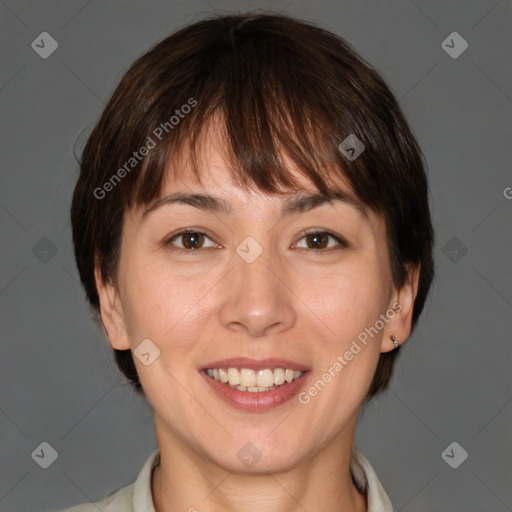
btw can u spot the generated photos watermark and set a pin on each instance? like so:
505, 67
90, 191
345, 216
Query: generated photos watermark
304, 397
149, 144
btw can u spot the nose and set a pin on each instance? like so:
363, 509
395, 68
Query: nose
258, 300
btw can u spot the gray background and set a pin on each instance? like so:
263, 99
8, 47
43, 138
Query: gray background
59, 383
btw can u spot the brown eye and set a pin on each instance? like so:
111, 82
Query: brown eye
318, 240
190, 240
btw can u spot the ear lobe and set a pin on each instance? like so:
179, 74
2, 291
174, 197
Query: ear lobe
111, 311
402, 303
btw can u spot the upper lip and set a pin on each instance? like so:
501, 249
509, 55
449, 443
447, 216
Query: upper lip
255, 364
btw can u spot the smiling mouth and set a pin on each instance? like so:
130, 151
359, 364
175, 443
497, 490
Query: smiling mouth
246, 379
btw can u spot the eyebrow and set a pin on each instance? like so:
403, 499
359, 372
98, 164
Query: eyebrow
300, 203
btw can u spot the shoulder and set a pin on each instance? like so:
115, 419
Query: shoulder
135, 497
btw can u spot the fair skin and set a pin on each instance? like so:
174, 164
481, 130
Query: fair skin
293, 302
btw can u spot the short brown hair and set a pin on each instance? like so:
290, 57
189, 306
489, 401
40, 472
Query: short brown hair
283, 87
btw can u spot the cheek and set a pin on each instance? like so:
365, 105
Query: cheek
162, 305
347, 301
349, 298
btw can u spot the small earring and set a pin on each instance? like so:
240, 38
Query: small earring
395, 341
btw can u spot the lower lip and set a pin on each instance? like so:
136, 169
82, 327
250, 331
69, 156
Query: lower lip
258, 400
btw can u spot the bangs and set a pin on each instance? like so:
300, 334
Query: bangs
267, 160
267, 104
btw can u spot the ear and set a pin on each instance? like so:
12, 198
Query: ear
111, 311
402, 302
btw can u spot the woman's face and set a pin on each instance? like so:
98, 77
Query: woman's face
256, 285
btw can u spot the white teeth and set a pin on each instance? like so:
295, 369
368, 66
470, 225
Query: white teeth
247, 379
265, 378
233, 377
254, 389
278, 376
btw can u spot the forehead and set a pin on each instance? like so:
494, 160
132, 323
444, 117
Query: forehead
217, 192
206, 173
212, 154
215, 173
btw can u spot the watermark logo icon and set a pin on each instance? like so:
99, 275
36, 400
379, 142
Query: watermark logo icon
44, 250
351, 147
454, 45
146, 352
45, 455
44, 45
454, 455
454, 250
249, 250
249, 454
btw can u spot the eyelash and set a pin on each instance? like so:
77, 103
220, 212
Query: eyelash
341, 242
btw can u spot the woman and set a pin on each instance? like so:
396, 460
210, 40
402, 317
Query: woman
251, 221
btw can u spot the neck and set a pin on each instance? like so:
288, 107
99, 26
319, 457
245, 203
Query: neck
185, 481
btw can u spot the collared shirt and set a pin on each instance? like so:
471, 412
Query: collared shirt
137, 496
